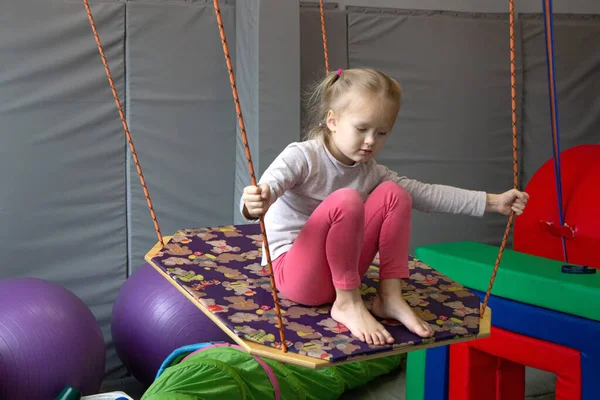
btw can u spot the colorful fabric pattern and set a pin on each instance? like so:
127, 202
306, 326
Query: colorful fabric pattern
220, 267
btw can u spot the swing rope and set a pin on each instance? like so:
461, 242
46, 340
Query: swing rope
125, 126
513, 90
549, 30
238, 110
324, 34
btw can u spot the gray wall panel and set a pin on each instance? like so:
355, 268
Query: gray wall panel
268, 81
62, 154
477, 6
182, 119
577, 65
454, 127
279, 78
247, 19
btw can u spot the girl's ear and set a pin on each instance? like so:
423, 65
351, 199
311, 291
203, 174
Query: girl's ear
331, 121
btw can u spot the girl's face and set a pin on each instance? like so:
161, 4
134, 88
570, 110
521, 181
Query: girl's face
360, 130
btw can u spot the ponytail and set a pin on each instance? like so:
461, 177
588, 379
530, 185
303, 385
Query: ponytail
317, 105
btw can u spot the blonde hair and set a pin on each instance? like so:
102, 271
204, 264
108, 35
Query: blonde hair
326, 94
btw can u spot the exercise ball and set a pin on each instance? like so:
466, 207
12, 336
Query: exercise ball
152, 318
536, 231
49, 339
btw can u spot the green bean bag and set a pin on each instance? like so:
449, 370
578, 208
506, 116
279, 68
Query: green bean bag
225, 371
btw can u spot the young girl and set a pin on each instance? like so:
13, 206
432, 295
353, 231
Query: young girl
331, 207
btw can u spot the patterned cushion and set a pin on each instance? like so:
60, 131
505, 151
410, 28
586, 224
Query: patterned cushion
220, 268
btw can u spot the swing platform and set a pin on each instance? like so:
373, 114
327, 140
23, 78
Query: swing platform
218, 269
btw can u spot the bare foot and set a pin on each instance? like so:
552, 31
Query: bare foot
393, 306
350, 311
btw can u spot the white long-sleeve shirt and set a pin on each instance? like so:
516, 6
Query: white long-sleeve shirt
305, 173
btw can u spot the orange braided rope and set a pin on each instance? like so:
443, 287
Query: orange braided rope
322, 9
238, 110
513, 88
122, 114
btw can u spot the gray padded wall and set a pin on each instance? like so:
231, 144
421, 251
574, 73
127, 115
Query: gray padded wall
182, 118
247, 19
577, 65
268, 82
312, 57
62, 150
454, 127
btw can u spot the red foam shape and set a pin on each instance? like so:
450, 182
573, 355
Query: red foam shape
475, 375
510, 380
471, 375
538, 230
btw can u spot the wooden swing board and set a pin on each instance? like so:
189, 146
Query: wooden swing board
315, 363
290, 357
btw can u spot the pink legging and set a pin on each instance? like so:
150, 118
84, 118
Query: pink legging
340, 240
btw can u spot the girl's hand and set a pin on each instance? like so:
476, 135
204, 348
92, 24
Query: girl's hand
256, 200
511, 200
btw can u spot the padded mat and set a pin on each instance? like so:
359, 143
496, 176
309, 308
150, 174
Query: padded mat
220, 267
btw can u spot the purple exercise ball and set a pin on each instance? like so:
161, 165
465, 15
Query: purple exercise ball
151, 318
49, 339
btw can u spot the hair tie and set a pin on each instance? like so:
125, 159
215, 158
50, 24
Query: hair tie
337, 76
